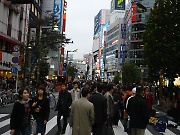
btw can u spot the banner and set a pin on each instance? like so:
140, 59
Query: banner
58, 11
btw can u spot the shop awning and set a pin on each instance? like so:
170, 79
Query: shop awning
9, 39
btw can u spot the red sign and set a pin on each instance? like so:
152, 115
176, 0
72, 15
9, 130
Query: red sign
0, 55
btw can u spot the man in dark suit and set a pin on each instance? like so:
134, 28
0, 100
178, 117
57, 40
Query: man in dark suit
100, 109
63, 108
138, 111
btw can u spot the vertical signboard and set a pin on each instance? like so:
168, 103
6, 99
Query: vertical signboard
123, 31
134, 18
97, 23
58, 9
64, 16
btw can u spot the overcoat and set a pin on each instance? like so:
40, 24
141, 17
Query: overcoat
82, 117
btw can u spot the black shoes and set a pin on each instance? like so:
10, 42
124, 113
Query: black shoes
62, 133
58, 132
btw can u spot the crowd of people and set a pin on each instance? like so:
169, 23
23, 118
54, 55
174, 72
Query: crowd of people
87, 108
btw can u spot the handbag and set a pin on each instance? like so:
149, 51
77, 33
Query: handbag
34, 126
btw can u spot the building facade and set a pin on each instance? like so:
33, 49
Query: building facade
100, 22
136, 16
13, 30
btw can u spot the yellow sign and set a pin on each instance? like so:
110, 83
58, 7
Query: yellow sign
120, 1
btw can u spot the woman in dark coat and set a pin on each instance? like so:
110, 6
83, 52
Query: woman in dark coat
21, 114
41, 110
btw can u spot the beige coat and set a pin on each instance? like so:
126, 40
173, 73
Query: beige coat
82, 117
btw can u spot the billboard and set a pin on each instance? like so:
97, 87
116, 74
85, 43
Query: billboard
57, 11
97, 23
117, 5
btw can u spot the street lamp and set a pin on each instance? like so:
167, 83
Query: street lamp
68, 53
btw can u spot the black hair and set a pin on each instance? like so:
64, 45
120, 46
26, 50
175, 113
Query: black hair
64, 84
75, 83
85, 92
20, 92
139, 90
109, 87
94, 86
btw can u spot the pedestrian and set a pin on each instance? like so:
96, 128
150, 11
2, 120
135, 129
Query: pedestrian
75, 92
149, 99
138, 111
110, 104
41, 110
117, 102
125, 97
82, 115
21, 114
63, 108
100, 109
121, 104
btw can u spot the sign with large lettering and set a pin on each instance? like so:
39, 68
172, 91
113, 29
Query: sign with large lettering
97, 23
58, 11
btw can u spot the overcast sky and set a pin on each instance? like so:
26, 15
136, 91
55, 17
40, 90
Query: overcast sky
80, 24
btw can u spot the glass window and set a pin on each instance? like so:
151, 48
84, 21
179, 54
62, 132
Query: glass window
4, 45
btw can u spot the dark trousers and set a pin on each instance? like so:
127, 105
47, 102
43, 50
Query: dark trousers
96, 129
26, 130
122, 112
116, 118
110, 121
65, 117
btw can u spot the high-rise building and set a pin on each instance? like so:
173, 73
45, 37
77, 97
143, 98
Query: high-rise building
101, 21
137, 14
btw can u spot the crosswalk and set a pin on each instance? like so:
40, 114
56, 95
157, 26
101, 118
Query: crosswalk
5, 121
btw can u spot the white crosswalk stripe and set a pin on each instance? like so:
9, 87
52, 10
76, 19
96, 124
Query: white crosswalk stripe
3, 115
4, 123
52, 123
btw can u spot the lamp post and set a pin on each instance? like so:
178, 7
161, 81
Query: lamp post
61, 55
68, 53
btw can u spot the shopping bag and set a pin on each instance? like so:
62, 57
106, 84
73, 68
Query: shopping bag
160, 126
70, 131
34, 126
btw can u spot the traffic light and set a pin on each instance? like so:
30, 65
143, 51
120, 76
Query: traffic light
21, 1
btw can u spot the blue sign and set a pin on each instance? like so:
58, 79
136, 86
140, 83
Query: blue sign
14, 70
97, 23
58, 5
15, 59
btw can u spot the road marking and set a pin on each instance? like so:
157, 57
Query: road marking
3, 115
147, 132
4, 123
6, 133
168, 132
51, 124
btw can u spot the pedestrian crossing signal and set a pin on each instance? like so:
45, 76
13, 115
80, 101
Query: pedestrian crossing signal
22, 1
